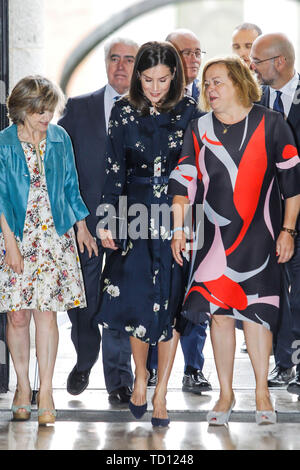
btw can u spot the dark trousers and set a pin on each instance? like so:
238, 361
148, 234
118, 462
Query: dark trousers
86, 336
192, 346
289, 319
294, 277
116, 355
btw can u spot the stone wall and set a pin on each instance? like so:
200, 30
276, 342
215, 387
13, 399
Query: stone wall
26, 39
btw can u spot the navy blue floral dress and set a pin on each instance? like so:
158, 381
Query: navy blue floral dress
141, 286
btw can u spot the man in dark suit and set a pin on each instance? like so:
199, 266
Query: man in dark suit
192, 344
86, 121
273, 60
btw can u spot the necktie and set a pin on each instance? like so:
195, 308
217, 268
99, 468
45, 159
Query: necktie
117, 97
278, 105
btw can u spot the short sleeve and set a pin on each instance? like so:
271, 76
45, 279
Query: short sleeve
183, 179
287, 159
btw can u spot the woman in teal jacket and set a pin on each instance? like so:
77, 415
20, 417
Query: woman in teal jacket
39, 265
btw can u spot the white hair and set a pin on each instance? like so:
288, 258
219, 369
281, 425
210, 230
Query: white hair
117, 40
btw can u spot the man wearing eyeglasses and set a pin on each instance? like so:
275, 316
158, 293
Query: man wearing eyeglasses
273, 60
188, 46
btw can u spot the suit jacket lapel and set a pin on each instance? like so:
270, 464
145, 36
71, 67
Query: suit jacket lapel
97, 112
294, 114
265, 99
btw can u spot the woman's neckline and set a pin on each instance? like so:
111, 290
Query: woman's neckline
234, 123
31, 143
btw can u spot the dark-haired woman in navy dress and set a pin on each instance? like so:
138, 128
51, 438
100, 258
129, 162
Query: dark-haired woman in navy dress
141, 284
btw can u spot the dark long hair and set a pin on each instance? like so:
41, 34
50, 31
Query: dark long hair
149, 55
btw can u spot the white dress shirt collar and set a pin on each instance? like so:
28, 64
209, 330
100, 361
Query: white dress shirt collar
109, 99
288, 92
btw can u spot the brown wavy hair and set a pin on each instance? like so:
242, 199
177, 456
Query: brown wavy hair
243, 79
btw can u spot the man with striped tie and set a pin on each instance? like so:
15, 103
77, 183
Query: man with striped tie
273, 60
86, 121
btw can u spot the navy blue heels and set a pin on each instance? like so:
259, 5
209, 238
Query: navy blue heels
137, 411
158, 422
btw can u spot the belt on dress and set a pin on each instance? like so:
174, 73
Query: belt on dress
152, 180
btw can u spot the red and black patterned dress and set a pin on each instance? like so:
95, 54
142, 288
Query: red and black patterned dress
240, 174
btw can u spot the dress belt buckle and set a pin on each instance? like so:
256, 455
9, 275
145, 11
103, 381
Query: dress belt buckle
158, 180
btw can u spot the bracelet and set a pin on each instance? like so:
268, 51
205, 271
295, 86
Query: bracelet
177, 229
291, 231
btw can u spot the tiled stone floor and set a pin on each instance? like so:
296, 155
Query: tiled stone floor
89, 422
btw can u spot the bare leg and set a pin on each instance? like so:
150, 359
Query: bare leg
18, 341
223, 343
166, 356
46, 351
140, 353
259, 346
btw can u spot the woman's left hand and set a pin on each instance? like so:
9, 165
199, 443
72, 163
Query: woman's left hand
85, 239
284, 247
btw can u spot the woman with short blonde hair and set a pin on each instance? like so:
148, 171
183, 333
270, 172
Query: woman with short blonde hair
245, 82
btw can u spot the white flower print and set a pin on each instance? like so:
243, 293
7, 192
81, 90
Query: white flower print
113, 291
115, 167
140, 331
156, 307
155, 274
126, 109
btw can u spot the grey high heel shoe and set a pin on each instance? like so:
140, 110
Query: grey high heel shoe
265, 417
219, 418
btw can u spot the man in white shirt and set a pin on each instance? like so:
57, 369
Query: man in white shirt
273, 60
86, 121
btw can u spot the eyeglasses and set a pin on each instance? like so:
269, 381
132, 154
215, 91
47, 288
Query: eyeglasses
188, 52
257, 61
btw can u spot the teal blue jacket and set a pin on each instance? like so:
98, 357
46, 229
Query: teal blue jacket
61, 177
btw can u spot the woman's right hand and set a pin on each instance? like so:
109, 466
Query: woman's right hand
14, 259
178, 244
107, 239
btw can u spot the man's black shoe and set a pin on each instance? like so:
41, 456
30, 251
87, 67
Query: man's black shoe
280, 377
120, 395
294, 385
78, 381
194, 381
152, 381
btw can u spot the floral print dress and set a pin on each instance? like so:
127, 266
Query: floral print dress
141, 286
52, 279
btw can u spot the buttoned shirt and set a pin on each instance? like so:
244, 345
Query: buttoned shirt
288, 93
